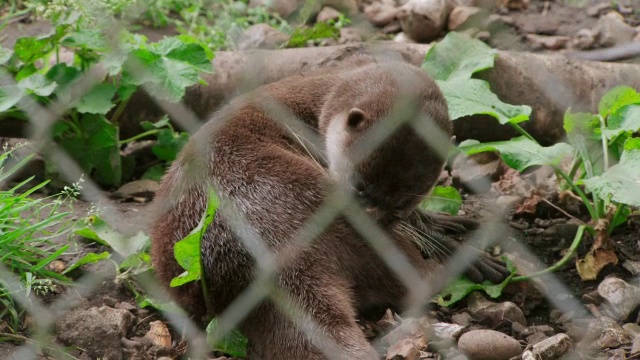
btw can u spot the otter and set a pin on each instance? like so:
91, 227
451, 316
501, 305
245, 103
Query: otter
270, 182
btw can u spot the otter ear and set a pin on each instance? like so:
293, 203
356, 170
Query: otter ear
355, 119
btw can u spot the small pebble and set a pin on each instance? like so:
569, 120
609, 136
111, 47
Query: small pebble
488, 345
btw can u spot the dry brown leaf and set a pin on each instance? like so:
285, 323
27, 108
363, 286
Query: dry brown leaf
589, 267
159, 334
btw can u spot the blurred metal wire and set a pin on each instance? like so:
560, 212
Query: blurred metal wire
338, 203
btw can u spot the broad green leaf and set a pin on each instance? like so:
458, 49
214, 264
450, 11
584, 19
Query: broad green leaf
38, 84
96, 148
461, 287
10, 96
467, 97
102, 233
163, 122
520, 153
169, 67
583, 132
617, 98
621, 182
89, 258
25, 72
5, 55
97, 100
63, 74
625, 118
154, 173
30, 49
169, 144
136, 260
125, 91
458, 56
89, 39
187, 250
444, 199
234, 343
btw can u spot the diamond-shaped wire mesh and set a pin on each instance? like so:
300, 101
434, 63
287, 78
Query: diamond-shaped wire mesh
268, 263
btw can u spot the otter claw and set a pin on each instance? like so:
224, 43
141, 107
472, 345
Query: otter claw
450, 224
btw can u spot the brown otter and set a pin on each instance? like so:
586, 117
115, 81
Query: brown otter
266, 175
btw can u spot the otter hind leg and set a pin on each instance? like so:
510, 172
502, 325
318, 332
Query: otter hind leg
328, 315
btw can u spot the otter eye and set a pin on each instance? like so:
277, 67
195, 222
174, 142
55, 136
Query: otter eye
355, 119
358, 184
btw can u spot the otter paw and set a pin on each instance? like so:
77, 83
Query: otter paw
449, 224
487, 268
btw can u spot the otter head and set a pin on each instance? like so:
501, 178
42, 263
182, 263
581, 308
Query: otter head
392, 178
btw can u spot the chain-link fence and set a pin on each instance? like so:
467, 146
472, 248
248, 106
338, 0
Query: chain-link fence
311, 323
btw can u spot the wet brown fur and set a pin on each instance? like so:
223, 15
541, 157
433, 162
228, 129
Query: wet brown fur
259, 169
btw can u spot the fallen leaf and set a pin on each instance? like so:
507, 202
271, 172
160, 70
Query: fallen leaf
589, 267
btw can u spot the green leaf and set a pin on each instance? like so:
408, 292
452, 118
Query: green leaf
154, 173
169, 66
88, 39
98, 100
625, 118
461, 287
520, 153
125, 91
444, 199
30, 49
467, 97
102, 233
617, 98
458, 56
9, 97
89, 258
38, 84
63, 74
320, 30
169, 144
234, 343
136, 260
96, 148
621, 182
187, 250
5, 55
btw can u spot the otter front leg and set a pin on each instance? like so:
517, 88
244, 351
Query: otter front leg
325, 328
428, 232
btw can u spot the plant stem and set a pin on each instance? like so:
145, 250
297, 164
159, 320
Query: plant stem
116, 115
139, 136
605, 147
523, 132
577, 190
572, 249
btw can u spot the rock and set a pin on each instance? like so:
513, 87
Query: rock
507, 202
548, 42
349, 35
635, 347
423, 20
411, 329
632, 329
514, 4
460, 15
403, 38
97, 330
403, 350
261, 36
583, 39
446, 331
602, 333
462, 319
381, 13
501, 312
283, 8
137, 188
632, 266
483, 36
621, 298
552, 348
595, 10
612, 30
488, 345
328, 13
477, 172
392, 27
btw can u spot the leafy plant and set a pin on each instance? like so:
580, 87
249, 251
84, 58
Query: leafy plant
444, 199
605, 153
319, 31
27, 228
88, 129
